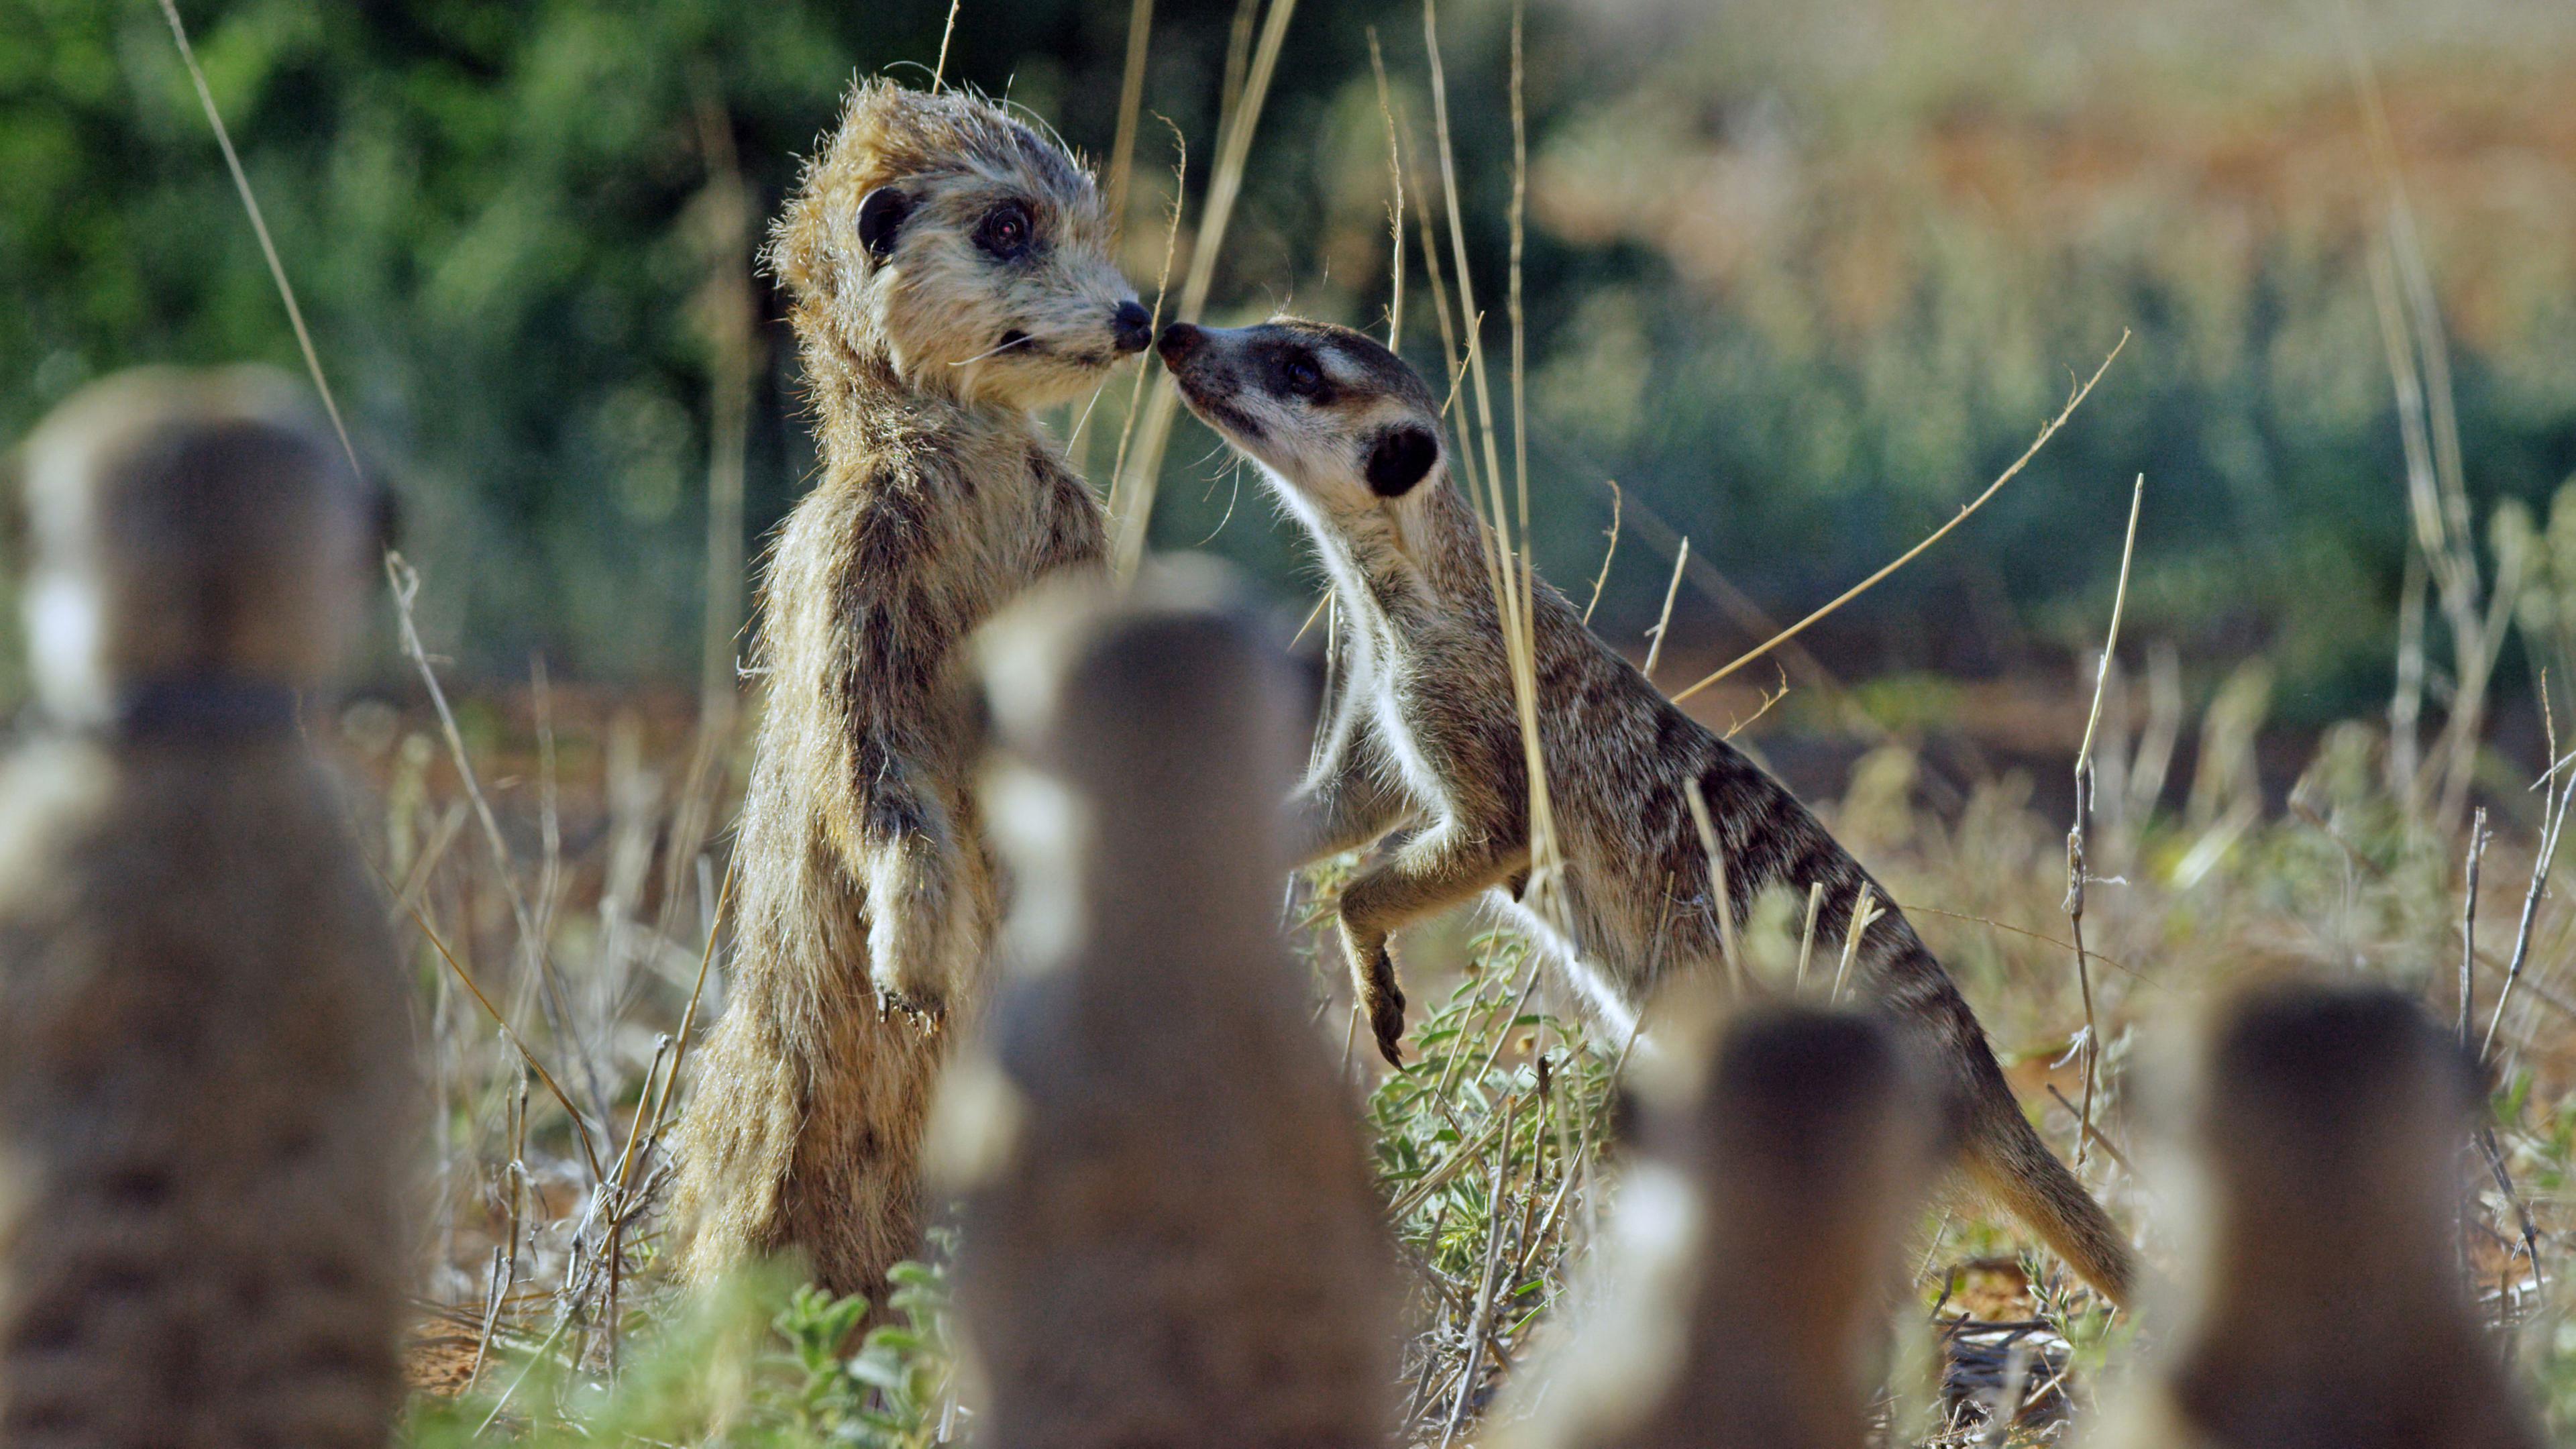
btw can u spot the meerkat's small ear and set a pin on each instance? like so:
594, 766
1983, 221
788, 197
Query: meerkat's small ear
1400, 458
881, 214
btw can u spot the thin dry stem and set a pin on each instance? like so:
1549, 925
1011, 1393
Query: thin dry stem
1135, 487
2076, 870
1664, 618
1907, 557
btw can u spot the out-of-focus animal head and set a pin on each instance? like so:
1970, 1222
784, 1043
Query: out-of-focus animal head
944, 239
191, 527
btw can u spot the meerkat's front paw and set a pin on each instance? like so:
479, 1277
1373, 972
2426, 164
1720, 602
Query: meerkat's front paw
1385, 1003
927, 1014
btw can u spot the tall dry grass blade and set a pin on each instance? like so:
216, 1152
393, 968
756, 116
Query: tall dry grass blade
259, 226
728, 318
2478, 837
1131, 101
1737, 971
1864, 915
1154, 324
1602, 578
1907, 557
1513, 582
1135, 486
1395, 200
2077, 873
1664, 619
406, 586
580, 1125
939, 69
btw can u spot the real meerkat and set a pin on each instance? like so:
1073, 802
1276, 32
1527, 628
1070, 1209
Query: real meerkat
205, 1084
1170, 1235
949, 269
1806, 1151
2319, 1135
1428, 735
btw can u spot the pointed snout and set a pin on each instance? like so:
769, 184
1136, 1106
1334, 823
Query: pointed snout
1131, 327
1179, 341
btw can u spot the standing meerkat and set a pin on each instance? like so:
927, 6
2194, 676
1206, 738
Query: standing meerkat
1170, 1235
1799, 1163
1349, 439
204, 1060
2320, 1134
950, 272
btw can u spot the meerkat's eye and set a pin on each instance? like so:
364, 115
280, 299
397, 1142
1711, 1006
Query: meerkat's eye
1006, 232
1301, 376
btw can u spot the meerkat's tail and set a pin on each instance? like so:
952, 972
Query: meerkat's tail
2006, 1158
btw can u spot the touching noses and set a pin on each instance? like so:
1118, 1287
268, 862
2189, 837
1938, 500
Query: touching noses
1131, 327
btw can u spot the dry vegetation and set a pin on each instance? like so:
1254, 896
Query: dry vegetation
557, 858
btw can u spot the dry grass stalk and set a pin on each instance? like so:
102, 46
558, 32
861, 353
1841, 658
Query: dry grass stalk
1395, 202
406, 586
259, 226
1602, 578
2077, 872
2075, 400
1132, 492
1664, 617
1737, 971
728, 317
1131, 99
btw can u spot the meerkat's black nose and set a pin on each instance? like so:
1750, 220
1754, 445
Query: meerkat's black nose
1131, 327
1179, 341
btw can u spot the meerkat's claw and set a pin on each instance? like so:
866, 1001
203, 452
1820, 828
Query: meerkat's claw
1385, 1002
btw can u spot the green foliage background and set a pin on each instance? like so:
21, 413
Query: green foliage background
1800, 278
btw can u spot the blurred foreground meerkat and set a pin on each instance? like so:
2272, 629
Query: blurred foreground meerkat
949, 273
1170, 1237
1746, 1294
204, 1061
2319, 1138
1427, 734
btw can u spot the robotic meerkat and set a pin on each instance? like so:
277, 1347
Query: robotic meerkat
1349, 439
949, 269
1748, 1285
204, 1083
1170, 1237
2316, 1134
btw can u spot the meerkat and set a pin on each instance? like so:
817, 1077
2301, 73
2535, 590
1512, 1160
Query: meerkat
1798, 1163
2319, 1136
1169, 1234
1349, 439
949, 273
204, 1055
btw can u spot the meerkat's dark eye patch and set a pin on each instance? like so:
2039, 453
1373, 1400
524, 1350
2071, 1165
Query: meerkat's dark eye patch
1007, 232
881, 217
1301, 377
1399, 459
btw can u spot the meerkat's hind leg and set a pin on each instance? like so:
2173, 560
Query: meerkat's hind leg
1436, 869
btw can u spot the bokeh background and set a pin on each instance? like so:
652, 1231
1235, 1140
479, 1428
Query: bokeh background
1801, 278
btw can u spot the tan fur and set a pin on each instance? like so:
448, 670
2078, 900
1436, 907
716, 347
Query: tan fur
204, 1064
2321, 1132
1427, 734
864, 883
1747, 1289
1170, 1235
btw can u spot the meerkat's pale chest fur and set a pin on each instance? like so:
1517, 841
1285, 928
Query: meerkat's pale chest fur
949, 269
205, 1084
1170, 1233
1349, 437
